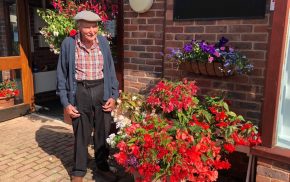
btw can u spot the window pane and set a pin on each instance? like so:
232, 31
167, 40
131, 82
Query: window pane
283, 139
10, 88
9, 40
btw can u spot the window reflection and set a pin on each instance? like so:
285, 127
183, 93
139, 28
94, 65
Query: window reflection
9, 40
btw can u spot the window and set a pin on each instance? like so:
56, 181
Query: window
283, 116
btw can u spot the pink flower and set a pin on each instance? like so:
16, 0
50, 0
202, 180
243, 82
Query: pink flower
210, 59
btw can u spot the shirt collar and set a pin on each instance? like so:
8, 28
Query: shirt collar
79, 42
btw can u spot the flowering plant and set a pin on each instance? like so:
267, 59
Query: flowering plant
176, 134
231, 60
8, 89
60, 23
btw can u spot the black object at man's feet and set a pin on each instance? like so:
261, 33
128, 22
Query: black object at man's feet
101, 157
103, 166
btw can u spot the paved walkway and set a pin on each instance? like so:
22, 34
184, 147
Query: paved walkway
34, 148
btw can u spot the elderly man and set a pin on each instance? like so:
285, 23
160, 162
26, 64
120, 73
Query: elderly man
88, 88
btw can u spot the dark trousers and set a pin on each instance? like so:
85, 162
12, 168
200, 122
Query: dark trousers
89, 101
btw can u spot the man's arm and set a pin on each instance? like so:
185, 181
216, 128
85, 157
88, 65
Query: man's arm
61, 72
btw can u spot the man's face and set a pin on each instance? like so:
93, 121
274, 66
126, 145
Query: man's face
88, 30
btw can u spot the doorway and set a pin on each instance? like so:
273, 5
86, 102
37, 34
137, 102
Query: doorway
44, 61
16, 85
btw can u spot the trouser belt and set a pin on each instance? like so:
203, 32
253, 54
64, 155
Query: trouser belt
90, 83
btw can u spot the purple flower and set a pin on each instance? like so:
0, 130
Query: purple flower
187, 48
207, 48
222, 41
132, 161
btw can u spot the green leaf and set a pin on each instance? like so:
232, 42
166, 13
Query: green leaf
241, 118
226, 106
231, 113
203, 157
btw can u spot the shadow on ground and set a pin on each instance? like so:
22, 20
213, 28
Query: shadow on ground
58, 141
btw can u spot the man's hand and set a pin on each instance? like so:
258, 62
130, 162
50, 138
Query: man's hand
109, 105
72, 111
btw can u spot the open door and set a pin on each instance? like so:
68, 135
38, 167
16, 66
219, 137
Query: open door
14, 64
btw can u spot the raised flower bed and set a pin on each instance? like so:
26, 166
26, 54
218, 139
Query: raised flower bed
175, 135
216, 59
8, 91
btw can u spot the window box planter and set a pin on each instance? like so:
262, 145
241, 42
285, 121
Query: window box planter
6, 102
203, 68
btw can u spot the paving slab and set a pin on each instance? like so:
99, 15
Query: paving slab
37, 148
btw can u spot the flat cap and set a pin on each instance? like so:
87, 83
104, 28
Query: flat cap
87, 16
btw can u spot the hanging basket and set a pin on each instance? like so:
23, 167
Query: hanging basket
203, 68
6, 102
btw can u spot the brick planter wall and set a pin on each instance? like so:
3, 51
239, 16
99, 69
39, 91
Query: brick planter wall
272, 171
148, 34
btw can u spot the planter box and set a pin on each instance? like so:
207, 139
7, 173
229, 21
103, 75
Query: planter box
203, 68
6, 102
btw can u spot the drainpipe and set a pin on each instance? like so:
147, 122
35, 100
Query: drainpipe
164, 28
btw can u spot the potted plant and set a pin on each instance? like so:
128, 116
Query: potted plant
60, 23
211, 59
175, 135
8, 91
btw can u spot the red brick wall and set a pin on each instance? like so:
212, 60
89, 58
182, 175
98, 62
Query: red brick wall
272, 171
143, 42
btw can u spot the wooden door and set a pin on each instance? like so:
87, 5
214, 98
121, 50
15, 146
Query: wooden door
14, 55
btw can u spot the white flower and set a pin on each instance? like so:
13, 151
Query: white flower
119, 101
110, 140
55, 33
121, 117
56, 51
134, 98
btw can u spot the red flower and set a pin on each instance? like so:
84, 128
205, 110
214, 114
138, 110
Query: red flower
121, 158
135, 150
148, 141
222, 164
161, 152
16, 92
220, 116
122, 146
213, 110
239, 140
229, 147
222, 124
73, 32
246, 126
